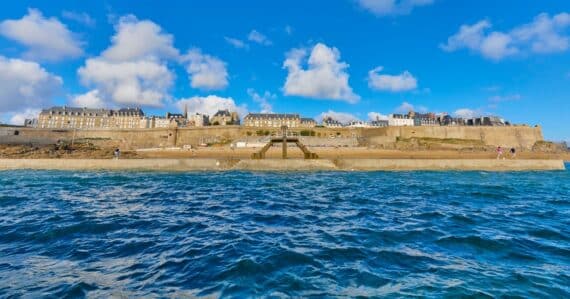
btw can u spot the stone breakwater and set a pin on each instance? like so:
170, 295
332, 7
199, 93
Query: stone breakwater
282, 165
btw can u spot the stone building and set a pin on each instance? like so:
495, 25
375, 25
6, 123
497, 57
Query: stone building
330, 122
198, 120
275, 120
127, 118
225, 118
492, 121
308, 122
86, 118
424, 119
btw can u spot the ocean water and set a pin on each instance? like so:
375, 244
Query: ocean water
314, 234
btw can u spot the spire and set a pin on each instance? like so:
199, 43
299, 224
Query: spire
186, 111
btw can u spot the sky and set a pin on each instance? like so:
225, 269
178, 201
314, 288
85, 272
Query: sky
349, 59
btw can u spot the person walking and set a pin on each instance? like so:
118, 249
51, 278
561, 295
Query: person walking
117, 153
513, 153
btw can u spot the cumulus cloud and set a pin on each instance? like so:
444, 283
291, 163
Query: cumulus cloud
79, 17
133, 70
139, 39
324, 77
45, 38
543, 35
342, 117
257, 37
91, 99
406, 107
466, 113
206, 72
395, 83
19, 118
210, 105
372, 116
262, 100
25, 85
236, 43
392, 7
142, 82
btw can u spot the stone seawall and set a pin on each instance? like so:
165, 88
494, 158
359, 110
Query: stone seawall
515, 136
280, 165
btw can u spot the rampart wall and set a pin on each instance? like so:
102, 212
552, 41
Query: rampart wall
518, 136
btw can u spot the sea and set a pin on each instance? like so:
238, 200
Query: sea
284, 234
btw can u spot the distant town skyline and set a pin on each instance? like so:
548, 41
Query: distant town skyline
350, 59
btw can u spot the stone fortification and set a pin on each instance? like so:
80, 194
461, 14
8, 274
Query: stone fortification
514, 136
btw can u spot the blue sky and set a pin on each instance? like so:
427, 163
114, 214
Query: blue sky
346, 58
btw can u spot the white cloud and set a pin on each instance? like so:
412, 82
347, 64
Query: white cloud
405, 107
392, 7
262, 100
91, 99
342, 117
395, 83
133, 70
372, 116
256, 37
506, 98
206, 72
324, 78
19, 118
135, 39
142, 82
466, 113
79, 17
210, 105
25, 85
236, 43
543, 35
45, 38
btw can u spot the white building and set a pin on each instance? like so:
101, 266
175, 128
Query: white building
400, 120
162, 122
198, 120
329, 122
358, 124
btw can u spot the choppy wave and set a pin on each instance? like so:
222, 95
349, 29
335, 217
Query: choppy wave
319, 234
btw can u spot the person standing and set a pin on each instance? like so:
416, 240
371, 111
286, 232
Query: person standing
513, 153
499, 152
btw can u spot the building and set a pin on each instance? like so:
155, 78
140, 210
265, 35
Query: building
86, 118
275, 120
379, 123
400, 120
330, 122
308, 122
358, 124
225, 118
126, 118
198, 120
424, 119
31, 123
493, 121
70, 117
